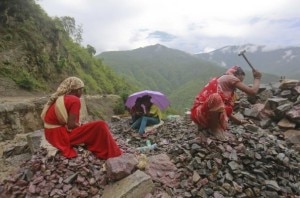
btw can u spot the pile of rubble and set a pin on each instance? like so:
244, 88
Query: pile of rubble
260, 159
275, 108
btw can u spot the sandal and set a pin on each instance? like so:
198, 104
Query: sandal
134, 134
151, 132
144, 135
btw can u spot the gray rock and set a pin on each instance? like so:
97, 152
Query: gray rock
135, 185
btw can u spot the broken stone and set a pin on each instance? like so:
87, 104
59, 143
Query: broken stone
137, 184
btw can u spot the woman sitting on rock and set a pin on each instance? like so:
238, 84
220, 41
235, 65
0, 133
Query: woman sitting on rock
214, 104
137, 110
63, 129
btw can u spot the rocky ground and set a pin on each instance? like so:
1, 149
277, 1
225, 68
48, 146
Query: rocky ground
253, 163
258, 160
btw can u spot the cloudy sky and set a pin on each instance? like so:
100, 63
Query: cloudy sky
193, 26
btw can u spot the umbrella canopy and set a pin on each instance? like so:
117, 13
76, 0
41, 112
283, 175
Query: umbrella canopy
157, 98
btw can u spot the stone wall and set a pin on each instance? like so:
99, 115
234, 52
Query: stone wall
20, 117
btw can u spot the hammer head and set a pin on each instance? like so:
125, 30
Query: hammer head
242, 52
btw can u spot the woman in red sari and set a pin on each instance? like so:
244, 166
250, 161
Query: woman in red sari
63, 129
214, 104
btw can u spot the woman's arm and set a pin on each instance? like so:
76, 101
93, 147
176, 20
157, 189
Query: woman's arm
250, 90
73, 110
72, 124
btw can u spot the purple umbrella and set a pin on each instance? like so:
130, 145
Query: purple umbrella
157, 98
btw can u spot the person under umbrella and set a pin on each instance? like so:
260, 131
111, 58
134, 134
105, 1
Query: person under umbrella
137, 110
151, 117
63, 129
157, 97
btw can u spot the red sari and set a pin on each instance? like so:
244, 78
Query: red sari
211, 99
95, 135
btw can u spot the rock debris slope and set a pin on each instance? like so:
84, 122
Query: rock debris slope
260, 159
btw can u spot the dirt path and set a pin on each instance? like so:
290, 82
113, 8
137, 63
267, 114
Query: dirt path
14, 99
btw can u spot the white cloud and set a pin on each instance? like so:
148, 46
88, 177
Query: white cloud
195, 25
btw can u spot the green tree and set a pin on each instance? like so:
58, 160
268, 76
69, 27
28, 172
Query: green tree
91, 50
74, 31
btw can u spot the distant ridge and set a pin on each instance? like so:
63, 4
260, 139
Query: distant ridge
277, 61
178, 74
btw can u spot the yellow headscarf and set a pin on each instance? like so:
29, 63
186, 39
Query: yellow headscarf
65, 87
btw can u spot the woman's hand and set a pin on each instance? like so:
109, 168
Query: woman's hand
242, 122
237, 120
72, 124
256, 74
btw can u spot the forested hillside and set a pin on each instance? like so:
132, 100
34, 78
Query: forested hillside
178, 74
157, 67
37, 52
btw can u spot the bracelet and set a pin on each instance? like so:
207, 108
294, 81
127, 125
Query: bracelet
257, 78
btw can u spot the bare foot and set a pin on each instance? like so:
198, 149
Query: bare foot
201, 138
219, 135
144, 135
202, 131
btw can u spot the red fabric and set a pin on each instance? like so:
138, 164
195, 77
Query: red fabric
72, 104
95, 135
208, 100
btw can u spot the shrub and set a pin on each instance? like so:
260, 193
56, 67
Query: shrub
7, 37
119, 107
25, 83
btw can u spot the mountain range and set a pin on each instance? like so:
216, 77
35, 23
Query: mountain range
178, 74
279, 61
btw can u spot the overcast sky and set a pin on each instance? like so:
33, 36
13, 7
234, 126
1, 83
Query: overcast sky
193, 26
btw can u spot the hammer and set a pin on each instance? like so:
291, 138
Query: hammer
242, 53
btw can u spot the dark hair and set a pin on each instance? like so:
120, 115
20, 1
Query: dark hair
239, 71
139, 99
146, 98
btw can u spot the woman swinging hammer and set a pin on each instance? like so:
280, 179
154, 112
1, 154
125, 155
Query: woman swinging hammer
62, 127
213, 106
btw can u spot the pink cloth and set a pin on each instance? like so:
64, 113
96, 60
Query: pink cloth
216, 96
226, 84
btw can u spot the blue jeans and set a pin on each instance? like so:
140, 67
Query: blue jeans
144, 121
134, 118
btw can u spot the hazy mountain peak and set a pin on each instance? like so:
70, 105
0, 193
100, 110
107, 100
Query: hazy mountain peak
151, 49
270, 59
